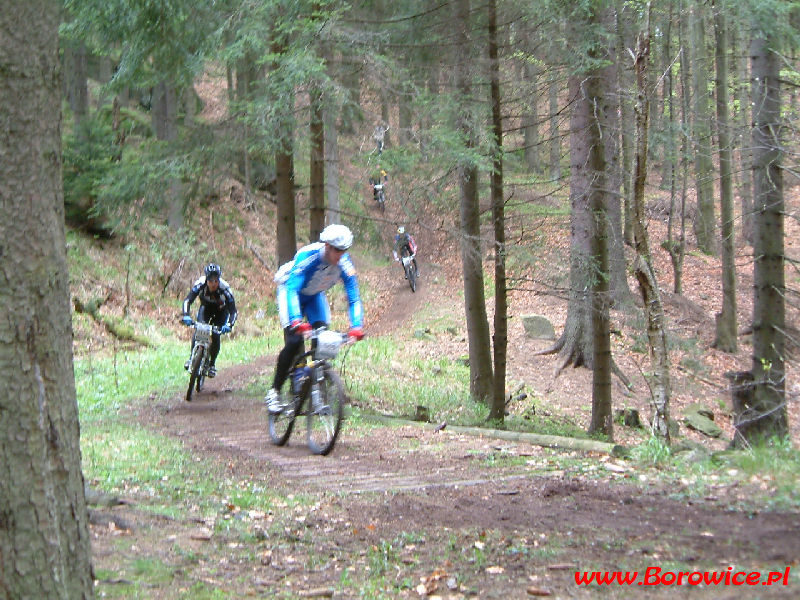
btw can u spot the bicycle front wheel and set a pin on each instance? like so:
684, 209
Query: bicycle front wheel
201, 379
412, 277
325, 420
281, 424
194, 369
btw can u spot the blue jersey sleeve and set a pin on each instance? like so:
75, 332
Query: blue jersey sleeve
304, 265
350, 280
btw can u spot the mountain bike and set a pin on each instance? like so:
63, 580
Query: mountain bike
315, 391
410, 267
381, 196
379, 193
199, 362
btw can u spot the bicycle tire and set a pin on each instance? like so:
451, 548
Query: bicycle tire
280, 424
201, 379
323, 427
194, 370
382, 200
412, 278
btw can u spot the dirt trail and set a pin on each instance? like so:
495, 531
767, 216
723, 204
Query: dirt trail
451, 490
386, 482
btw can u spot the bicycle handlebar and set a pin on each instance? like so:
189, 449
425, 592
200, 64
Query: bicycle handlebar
214, 328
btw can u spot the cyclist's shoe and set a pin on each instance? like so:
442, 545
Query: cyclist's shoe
187, 364
212, 372
273, 401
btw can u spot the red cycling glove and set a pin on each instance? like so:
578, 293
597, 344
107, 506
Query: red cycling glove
301, 326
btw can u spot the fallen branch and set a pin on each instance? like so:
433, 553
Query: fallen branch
537, 439
116, 327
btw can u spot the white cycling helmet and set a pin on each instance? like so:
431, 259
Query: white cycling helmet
338, 236
401, 230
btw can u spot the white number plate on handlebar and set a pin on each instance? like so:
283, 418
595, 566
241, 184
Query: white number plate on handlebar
328, 343
202, 333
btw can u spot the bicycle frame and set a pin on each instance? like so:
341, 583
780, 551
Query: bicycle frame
410, 269
200, 352
320, 397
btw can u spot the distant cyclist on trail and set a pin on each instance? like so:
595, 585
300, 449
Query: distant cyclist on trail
302, 283
381, 178
405, 241
217, 307
379, 136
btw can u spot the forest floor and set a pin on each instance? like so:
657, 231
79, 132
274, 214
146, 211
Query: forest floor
407, 511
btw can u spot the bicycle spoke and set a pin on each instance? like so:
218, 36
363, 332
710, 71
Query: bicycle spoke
324, 425
280, 424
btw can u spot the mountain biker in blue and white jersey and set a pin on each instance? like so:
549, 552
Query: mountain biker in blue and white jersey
217, 307
302, 283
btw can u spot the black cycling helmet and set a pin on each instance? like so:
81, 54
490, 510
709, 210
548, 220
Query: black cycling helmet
213, 270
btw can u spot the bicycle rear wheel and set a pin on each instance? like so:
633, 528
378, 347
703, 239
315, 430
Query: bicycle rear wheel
325, 423
281, 424
194, 369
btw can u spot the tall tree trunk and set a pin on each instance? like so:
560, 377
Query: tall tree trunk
530, 119
350, 70
405, 114
331, 165
704, 221
285, 233
480, 355
668, 171
385, 120
286, 220
555, 138
726, 320
614, 171
252, 165
677, 247
165, 124
500, 339
75, 79
744, 128
625, 87
44, 534
768, 413
576, 342
331, 145
317, 168
605, 179
643, 267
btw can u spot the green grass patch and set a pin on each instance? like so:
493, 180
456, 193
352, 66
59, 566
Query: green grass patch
769, 472
122, 457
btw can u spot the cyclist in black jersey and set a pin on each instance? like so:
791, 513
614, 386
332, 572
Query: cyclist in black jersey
217, 307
